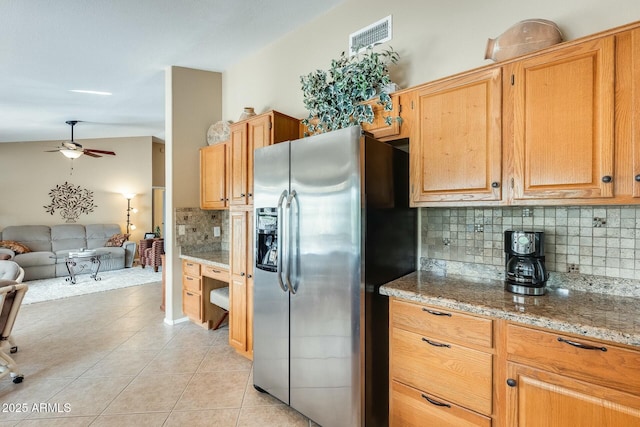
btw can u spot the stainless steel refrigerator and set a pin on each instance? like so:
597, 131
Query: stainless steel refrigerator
332, 224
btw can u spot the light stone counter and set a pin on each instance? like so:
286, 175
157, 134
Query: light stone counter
213, 258
592, 315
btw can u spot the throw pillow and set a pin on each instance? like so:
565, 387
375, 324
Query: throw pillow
117, 240
16, 247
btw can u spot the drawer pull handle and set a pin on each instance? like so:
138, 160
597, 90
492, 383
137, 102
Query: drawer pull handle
190, 294
436, 344
189, 278
435, 402
436, 313
580, 345
214, 271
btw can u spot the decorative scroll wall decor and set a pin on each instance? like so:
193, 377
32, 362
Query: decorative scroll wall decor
71, 201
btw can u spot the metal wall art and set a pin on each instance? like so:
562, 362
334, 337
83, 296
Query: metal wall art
71, 201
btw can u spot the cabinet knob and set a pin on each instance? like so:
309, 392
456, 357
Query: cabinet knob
637, 178
511, 382
242, 194
222, 199
250, 194
607, 179
249, 276
495, 184
242, 274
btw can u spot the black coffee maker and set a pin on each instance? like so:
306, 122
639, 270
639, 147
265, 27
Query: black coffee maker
525, 272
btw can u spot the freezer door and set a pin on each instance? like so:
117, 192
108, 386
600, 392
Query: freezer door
270, 299
325, 274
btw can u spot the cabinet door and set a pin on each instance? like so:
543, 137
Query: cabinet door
213, 176
563, 110
238, 284
635, 108
456, 145
379, 128
238, 191
259, 136
250, 264
538, 398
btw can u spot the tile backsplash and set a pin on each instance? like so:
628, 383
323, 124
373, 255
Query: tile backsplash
600, 240
199, 229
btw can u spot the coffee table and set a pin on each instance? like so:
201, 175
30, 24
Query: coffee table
76, 263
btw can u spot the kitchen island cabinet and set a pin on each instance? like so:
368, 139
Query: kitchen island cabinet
548, 363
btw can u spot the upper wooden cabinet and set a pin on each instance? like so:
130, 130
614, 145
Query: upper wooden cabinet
248, 135
213, 176
562, 114
562, 129
456, 141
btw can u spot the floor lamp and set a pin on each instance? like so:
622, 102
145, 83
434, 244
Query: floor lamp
129, 210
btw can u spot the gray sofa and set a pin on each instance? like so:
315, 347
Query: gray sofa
45, 242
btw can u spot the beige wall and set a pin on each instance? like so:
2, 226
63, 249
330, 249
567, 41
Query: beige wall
434, 39
158, 163
29, 172
193, 101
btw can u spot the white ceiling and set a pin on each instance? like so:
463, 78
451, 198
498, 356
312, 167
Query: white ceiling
48, 48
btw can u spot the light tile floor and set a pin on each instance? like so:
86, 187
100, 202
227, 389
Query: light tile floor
108, 359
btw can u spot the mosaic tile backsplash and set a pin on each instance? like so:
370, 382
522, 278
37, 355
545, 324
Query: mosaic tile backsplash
199, 229
600, 241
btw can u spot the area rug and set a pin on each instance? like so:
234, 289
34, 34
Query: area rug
50, 289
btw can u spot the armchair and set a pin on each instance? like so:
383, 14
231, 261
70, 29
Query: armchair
150, 251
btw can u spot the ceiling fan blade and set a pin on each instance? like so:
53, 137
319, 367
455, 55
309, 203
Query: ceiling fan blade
90, 150
90, 154
52, 151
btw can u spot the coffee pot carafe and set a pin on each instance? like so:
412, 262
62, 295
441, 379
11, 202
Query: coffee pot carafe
525, 272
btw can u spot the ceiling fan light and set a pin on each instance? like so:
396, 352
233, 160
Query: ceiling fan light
71, 154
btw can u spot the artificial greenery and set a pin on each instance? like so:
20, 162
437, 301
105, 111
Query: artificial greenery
336, 98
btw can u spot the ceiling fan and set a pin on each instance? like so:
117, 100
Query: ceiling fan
73, 150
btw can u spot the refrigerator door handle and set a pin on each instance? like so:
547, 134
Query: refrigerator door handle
287, 276
279, 233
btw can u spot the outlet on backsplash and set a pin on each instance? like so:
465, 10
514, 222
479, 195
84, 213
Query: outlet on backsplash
573, 268
479, 228
599, 222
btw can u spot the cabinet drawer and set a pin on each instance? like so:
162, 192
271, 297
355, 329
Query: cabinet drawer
192, 284
215, 273
190, 268
192, 305
450, 325
449, 371
410, 407
617, 367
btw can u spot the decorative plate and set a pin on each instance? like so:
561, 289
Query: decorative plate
218, 132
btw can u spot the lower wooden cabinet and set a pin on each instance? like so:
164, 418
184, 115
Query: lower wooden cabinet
241, 284
448, 368
540, 398
435, 373
558, 380
197, 283
410, 407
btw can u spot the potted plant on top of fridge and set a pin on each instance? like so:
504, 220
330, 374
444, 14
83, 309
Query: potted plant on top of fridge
336, 98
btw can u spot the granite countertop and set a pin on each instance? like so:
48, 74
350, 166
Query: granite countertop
592, 315
213, 258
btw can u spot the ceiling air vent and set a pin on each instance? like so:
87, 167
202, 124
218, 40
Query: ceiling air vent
371, 35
